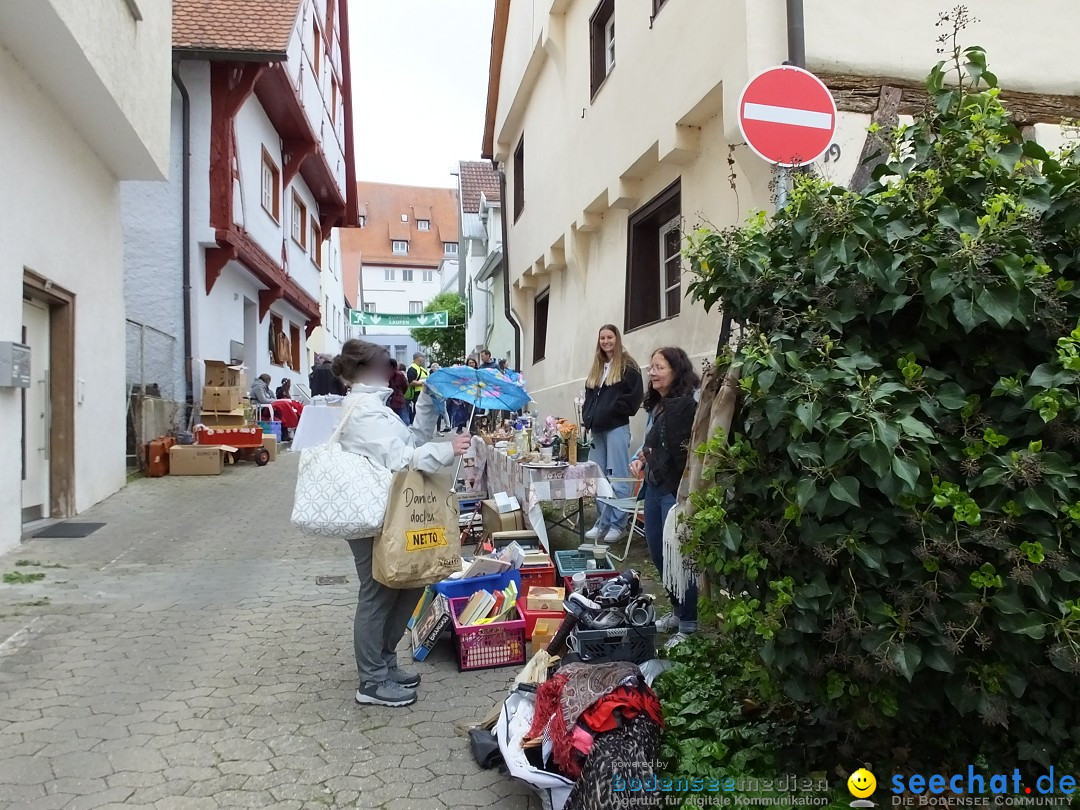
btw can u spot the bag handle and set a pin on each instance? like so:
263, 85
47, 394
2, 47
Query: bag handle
336, 435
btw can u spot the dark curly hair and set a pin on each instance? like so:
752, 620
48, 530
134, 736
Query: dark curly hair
684, 379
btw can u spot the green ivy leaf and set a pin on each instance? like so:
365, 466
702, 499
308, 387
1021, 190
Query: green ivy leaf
877, 457
804, 491
1000, 303
1025, 624
967, 313
940, 659
845, 489
1008, 603
906, 470
907, 657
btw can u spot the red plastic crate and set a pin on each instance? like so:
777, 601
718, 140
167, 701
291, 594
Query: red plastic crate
590, 578
539, 575
531, 617
232, 436
486, 646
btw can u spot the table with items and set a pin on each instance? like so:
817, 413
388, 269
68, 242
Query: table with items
317, 423
492, 469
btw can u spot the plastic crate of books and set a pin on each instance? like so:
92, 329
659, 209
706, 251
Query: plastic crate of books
569, 563
487, 646
634, 644
457, 588
540, 575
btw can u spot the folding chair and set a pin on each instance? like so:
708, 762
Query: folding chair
633, 506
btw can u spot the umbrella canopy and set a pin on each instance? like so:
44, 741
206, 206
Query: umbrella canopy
481, 387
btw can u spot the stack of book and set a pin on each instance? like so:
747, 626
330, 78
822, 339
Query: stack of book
486, 607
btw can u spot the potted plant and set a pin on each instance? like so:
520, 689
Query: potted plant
546, 440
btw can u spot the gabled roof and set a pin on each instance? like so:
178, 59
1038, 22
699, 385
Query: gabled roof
385, 203
257, 27
476, 177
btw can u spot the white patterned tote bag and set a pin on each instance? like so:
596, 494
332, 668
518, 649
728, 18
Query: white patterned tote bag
340, 494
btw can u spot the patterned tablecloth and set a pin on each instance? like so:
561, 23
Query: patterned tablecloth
494, 471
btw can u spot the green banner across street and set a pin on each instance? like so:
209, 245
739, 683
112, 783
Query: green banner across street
430, 320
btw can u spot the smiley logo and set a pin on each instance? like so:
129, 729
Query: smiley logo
861, 783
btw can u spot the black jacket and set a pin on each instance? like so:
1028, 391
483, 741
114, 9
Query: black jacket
666, 445
322, 381
611, 406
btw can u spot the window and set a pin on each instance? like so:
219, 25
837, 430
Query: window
363, 220
519, 178
450, 248
294, 344
277, 356
416, 307
299, 221
316, 243
654, 264
388, 274
400, 247
406, 275
404, 217
429, 275
316, 50
601, 44
401, 354
369, 306
271, 187
333, 100
423, 225
540, 324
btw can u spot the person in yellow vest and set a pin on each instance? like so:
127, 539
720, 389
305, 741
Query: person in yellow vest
415, 374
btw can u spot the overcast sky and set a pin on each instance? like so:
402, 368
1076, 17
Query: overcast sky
419, 76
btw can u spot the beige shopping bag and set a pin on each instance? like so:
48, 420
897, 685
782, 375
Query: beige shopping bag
420, 543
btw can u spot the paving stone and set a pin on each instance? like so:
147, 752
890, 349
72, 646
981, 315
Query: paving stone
116, 795
140, 760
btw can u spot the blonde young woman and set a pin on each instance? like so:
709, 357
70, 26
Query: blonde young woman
613, 394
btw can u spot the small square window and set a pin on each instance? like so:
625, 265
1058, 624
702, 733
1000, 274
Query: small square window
416, 307
299, 221
400, 247
406, 275
363, 220
388, 274
423, 225
369, 306
404, 217
450, 248
429, 275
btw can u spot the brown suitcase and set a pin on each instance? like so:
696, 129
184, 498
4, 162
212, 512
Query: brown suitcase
157, 456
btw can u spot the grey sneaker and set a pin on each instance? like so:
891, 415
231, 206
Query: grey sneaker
410, 680
386, 693
668, 623
676, 640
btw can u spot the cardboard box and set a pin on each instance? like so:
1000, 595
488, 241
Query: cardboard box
543, 632
197, 459
270, 443
222, 398
224, 419
541, 598
496, 521
220, 374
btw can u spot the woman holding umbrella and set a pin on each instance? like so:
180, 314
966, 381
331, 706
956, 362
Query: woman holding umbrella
376, 432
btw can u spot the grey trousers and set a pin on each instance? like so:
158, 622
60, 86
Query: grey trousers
381, 616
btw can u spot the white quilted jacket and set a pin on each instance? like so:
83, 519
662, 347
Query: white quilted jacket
375, 431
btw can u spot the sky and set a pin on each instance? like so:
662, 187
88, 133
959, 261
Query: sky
419, 76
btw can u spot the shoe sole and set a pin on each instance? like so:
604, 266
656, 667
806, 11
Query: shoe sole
367, 700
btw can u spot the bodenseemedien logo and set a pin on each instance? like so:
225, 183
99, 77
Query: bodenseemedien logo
862, 785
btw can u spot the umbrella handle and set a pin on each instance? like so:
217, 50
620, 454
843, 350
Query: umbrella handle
461, 458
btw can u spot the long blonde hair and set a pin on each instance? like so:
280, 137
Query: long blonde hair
620, 359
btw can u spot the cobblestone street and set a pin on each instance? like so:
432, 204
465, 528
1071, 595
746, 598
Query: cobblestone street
183, 656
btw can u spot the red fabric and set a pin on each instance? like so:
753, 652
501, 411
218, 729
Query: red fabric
398, 385
630, 702
548, 709
288, 412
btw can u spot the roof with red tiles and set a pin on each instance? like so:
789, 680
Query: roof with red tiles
385, 204
234, 26
476, 177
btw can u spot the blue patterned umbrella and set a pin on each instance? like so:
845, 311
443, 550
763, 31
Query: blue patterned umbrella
481, 387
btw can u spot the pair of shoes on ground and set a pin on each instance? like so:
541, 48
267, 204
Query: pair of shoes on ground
399, 689
610, 536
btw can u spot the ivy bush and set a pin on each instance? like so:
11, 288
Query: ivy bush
898, 510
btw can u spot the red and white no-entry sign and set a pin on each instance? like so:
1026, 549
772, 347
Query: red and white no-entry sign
787, 115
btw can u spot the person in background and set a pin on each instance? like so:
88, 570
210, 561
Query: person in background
284, 391
486, 360
671, 404
398, 386
322, 381
471, 362
612, 395
441, 406
375, 432
260, 390
415, 374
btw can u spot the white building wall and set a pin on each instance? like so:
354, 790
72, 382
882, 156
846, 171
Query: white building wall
254, 132
393, 296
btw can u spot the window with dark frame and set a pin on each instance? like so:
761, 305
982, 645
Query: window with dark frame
654, 260
316, 243
519, 178
271, 187
299, 221
294, 345
316, 51
601, 44
540, 324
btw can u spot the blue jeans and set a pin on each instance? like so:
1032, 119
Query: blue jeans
611, 451
657, 505
406, 415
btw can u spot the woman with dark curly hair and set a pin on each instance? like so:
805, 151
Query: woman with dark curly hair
671, 403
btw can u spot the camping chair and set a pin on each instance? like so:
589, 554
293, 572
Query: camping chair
633, 506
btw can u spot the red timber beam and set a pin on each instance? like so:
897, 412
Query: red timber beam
230, 86
279, 286
216, 259
294, 153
